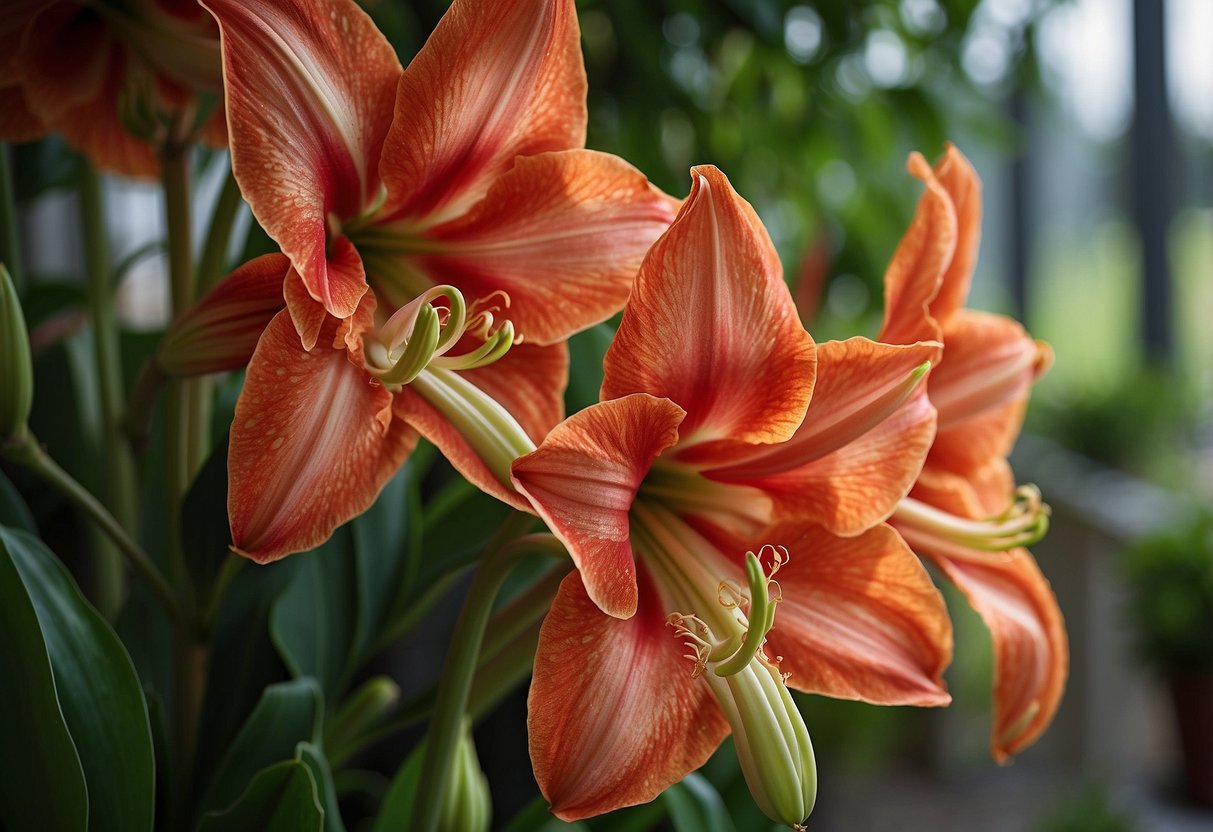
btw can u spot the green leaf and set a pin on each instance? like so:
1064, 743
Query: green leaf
695, 806
397, 807
380, 551
14, 513
312, 623
205, 535
98, 690
288, 714
37, 749
280, 798
322, 774
586, 351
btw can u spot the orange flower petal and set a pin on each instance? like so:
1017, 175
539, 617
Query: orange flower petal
307, 314
583, 479
710, 324
55, 84
1031, 650
848, 475
221, 331
860, 618
18, 123
916, 271
981, 389
309, 89
957, 177
496, 79
561, 233
528, 382
312, 444
614, 716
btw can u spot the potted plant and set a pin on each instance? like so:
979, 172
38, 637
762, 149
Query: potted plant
1170, 578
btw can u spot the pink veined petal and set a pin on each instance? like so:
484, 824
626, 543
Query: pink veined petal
860, 618
614, 716
561, 233
309, 93
711, 325
313, 441
497, 79
582, 480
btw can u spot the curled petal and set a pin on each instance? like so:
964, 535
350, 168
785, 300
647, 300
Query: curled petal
858, 451
1031, 650
561, 233
956, 176
860, 618
614, 716
583, 480
313, 442
981, 389
916, 272
710, 324
220, 332
309, 90
497, 79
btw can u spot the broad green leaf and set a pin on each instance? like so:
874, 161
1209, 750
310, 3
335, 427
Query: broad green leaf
244, 662
98, 690
586, 351
322, 775
397, 805
205, 535
37, 749
14, 513
695, 806
280, 798
312, 622
380, 552
288, 714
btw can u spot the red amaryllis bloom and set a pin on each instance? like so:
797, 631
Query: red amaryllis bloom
719, 413
466, 168
965, 513
459, 186
107, 75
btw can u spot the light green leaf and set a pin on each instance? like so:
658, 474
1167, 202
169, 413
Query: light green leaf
696, 806
318, 764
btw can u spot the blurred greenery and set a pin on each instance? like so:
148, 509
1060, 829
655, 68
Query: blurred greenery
1089, 810
1170, 581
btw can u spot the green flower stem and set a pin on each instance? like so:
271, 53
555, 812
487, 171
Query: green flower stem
10, 239
26, 451
117, 463
503, 553
526, 609
214, 250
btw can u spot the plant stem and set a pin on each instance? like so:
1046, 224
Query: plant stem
10, 239
26, 451
117, 463
502, 554
214, 250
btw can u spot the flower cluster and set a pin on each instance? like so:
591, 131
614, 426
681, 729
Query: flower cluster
746, 508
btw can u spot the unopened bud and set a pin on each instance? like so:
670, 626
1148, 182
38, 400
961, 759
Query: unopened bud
16, 370
466, 804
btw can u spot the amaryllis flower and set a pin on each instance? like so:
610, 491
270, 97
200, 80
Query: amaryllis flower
718, 414
465, 169
106, 75
460, 187
965, 513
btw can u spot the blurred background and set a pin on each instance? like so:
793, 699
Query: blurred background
1091, 124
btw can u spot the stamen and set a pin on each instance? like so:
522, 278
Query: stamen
1024, 522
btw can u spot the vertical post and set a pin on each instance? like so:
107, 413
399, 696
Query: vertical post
1153, 150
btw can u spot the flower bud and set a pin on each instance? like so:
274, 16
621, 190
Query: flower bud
16, 370
466, 804
772, 741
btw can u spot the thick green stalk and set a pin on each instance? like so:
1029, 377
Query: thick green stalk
503, 553
117, 463
26, 451
10, 238
214, 250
